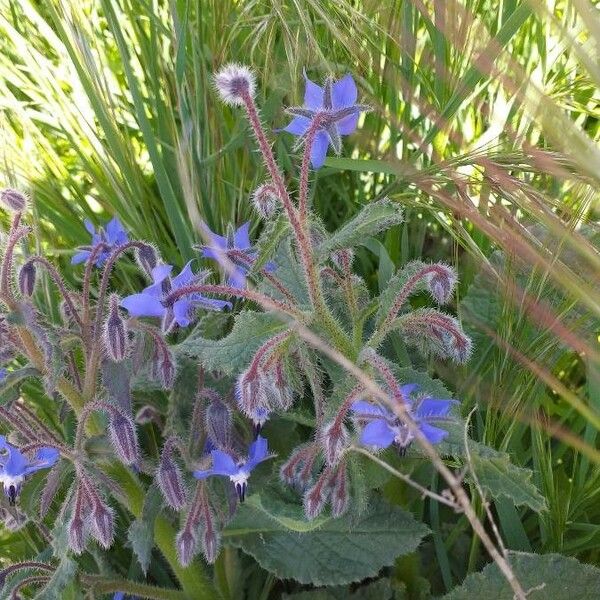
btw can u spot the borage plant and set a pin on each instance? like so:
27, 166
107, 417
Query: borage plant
272, 434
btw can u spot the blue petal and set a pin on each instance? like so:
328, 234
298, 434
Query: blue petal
211, 303
377, 433
143, 305
181, 311
313, 94
185, 276
344, 92
348, 124
318, 151
3, 374
115, 233
362, 407
16, 463
434, 434
161, 272
270, 267
433, 407
80, 257
408, 389
44, 459
89, 226
241, 237
237, 279
223, 463
257, 453
297, 126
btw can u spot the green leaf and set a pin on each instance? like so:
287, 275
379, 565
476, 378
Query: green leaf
500, 477
373, 218
116, 379
141, 531
545, 577
62, 577
233, 352
326, 551
376, 590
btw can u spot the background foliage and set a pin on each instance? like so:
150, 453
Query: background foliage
485, 128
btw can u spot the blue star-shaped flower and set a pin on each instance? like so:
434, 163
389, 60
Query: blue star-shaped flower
224, 465
151, 302
236, 247
112, 235
335, 104
382, 427
15, 466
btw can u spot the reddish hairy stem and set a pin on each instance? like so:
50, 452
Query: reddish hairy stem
60, 284
15, 235
405, 293
305, 168
264, 349
345, 407
261, 299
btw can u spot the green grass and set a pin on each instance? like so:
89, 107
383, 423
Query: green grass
484, 125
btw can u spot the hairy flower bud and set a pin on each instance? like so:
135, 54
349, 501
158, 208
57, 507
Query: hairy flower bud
217, 420
165, 369
13, 199
115, 332
265, 200
342, 258
123, 437
334, 439
339, 492
102, 524
77, 535
170, 481
316, 497
233, 82
210, 544
147, 414
249, 392
147, 258
27, 279
187, 546
441, 283
297, 470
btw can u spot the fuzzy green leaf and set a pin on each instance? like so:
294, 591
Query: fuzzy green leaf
546, 576
372, 219
141, 531
500, 477
327, 551
233, 352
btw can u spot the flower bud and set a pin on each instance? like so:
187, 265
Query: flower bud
27, 278
297, 470
342, 258
234, 82
187, 544
102, 524
77, 534
316, 497
249, 392
170, 482
147, 414
334, 439
13, 199
441, 283
339, 492
218, 424
210, 544
147, 258
265, 200
165, 368
115, 332
123, 437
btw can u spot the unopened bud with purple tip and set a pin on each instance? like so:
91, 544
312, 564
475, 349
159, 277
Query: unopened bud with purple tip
27, 279
218, 423
441, 283
102, 524
339, 492
187, 546
316, 497
165, 368
78, 529
334, 439
235, 83
147, 258
13, 199
115, 335
123, 437
210, 543
265, 200
170, 481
